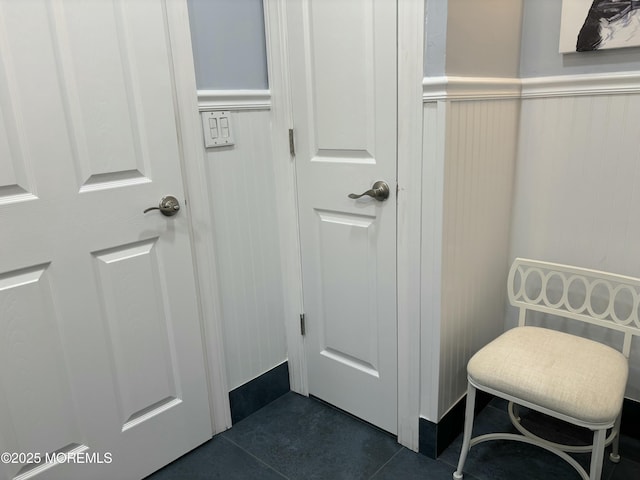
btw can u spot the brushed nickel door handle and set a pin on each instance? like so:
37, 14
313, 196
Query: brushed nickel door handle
168, 206
379, 191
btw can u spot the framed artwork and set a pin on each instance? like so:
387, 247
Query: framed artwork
589, 25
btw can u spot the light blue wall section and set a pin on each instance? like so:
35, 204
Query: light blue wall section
539, 55
435, 37
228, 44
483, 38
470, 38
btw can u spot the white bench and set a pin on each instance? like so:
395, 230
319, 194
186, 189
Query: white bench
565, 376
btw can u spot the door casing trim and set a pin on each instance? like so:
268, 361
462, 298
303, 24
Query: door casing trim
192, 163
285, 189
411, 32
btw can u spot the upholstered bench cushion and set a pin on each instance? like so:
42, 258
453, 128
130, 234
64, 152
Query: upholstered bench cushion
567, 374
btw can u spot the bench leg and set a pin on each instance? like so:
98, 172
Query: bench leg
468, 428
597, 454
614, 456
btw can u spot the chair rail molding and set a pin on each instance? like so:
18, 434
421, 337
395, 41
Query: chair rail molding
469, 88
588, 84
209, 100
486, 88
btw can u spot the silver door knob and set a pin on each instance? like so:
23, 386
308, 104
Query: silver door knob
379, 191
168, 206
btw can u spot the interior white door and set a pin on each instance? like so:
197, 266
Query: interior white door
343, 84
100, 344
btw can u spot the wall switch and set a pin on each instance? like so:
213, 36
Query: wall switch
216, 127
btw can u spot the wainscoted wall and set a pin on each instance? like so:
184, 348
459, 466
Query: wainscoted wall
469, 162
575, 145
577, 184
571, 201
479, 167
246, 238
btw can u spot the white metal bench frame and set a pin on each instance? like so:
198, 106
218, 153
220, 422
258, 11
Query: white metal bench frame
566, 275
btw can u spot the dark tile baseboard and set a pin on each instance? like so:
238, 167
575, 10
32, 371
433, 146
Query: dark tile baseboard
259, 392
630, 418
436, 437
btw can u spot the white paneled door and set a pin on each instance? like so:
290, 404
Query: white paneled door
101, 356
343, 81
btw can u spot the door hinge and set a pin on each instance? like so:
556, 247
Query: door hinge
303, 327
292, 146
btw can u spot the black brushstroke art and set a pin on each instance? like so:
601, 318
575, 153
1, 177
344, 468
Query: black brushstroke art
602, 12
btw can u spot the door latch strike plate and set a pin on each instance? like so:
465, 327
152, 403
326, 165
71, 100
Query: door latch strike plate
302, 325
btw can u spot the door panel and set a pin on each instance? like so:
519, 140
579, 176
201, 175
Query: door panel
100, 342
138, 326
343, 71
109, 98
342, 52
39, 408
354, 342
16, 181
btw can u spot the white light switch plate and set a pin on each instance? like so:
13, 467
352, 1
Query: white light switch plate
216, 127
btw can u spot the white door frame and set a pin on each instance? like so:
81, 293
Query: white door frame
285, 189
410, 74
192, 163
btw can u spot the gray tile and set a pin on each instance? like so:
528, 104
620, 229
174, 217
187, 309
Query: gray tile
296, 437
305, 439
630, 448
497, 460
407, 465
555, 430
489, 420
625, 470
217, 459
499, 403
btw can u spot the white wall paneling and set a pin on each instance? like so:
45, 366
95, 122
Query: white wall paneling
244, 224
480, 147
469, 160
576, 185
574, 189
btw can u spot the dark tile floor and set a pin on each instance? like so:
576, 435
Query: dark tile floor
301, 438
